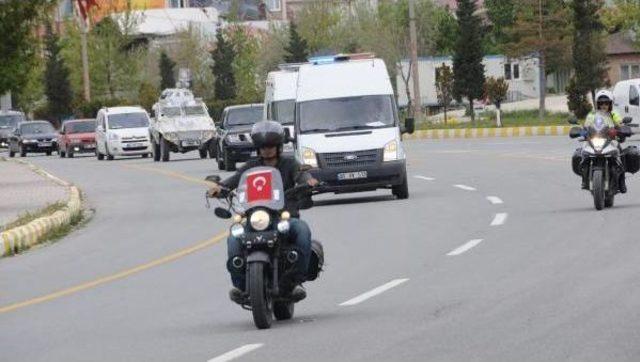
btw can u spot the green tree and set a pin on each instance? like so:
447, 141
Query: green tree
298, 49
502, 14
496, 92
244, 65
468, 70
147, 95
56, 79
589, 58
191, 53
223, 57
167, 72
321, 25
622, 15
577, 99
444, 87
541, 29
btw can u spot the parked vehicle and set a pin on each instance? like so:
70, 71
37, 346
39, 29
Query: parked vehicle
626, 99
347, 125
234, 141
8, 122
122, 131
280, 98
182, 127
77, 136
33, 137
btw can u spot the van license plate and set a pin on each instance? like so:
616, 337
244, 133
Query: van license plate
188, 143
352, 175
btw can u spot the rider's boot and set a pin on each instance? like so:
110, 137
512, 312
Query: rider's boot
622, 184
585, 179
236, 295
298, 293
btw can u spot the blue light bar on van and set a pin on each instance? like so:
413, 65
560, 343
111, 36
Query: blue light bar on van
325, 59
328, 59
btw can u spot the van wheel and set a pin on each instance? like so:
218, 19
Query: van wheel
203, 153
23, 151
99, 155
109, 156
229, 164
213, 149
164, 150
61, 153
401, 191
11, 153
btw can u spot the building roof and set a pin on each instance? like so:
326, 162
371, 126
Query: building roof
166, 22
621, 43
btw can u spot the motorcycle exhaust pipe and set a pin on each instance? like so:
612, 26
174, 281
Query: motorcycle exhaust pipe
237, 262
292, 256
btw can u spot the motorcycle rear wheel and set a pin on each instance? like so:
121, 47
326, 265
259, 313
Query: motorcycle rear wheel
261, 302
598, 189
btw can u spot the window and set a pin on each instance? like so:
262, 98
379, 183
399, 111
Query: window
516, 71
629, 71
273, 5
634, 97
507, 71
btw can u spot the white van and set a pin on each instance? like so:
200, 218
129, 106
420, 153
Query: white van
122, 131
626, 99
280, 98
347, 125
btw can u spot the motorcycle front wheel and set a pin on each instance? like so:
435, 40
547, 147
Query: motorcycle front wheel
598, 189
261, 302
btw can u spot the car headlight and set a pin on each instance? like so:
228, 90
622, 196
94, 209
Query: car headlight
237, 230
309, 157
113, 137
260, 220
207, 134
598, 143
391, 151
171, 135
233, 138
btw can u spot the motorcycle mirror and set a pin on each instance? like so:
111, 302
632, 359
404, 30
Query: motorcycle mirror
575, 132
222, 213
213, 178
573, 120
627, 120
287, 136
305, 168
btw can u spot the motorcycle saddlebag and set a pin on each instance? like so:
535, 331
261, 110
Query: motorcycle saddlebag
631, 159
576, 160
316, 261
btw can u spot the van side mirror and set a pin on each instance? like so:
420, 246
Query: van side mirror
409, 126
575, 132
573, 120
627, 120
287, 136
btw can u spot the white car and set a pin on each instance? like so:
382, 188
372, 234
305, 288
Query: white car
122, 131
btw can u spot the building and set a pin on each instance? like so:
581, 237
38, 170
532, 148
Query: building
287, 9
623, 57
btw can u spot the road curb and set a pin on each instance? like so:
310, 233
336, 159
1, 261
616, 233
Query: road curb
23, 237
489, 132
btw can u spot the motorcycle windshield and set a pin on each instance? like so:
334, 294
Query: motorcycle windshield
261, 187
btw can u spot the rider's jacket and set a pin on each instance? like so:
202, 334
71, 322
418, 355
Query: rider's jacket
612, 119
289, 168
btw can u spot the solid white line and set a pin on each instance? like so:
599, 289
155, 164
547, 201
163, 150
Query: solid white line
499, 219
495, 200
465, 247
231, 355
425, 178
372, 293
465, 187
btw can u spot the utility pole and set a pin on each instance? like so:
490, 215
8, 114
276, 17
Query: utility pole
542, 65
86, 82
417, 106
284, 10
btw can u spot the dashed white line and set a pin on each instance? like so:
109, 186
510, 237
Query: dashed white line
425, 178
495, 200
499, 219
465, 187
465, 247
372, 293
231, 355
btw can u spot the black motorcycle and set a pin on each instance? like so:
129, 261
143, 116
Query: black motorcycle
603, 158
262, 224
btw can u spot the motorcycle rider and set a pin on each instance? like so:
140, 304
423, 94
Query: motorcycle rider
268, 138
604, 108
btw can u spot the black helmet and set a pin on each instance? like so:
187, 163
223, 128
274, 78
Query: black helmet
267, 134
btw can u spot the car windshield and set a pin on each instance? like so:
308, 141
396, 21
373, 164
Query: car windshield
282, 111
31, 128
128, 120
197, 110
341, 114
80, 127
171, 112
10, 121
244, 116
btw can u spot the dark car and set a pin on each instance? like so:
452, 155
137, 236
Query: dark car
234, 143
77, 136
8, 122
35, 137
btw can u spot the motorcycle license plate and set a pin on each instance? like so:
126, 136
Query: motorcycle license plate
44, 144
191, 143
352, 175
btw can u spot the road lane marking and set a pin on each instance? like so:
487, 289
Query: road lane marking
176, 175
495, 200
238, 352
425, 178
464, 248
465, 187
372, 293
499, 219
120, 275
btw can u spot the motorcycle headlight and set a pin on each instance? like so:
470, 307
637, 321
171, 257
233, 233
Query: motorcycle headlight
237, 230
233, 138
309, 157
598, 143
113, 137
260, 220
391, 151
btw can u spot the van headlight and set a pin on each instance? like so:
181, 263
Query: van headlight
309, 157
391, 151
598, 143
260, 220
113, 137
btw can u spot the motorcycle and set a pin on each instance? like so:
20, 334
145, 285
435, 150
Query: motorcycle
604, 158
260, 221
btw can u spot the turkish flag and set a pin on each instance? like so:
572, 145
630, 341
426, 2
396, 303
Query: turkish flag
259, 186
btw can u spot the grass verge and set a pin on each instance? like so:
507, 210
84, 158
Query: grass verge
28, 217
487, 119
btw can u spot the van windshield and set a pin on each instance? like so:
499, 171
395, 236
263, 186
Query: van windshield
343, 114
282, 111
128, 120
244, 116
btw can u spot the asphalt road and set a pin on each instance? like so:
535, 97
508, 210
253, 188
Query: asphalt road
497, 256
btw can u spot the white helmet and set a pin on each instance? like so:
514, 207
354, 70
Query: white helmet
604, 96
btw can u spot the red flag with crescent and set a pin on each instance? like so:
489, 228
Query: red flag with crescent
84, 6
259, 186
